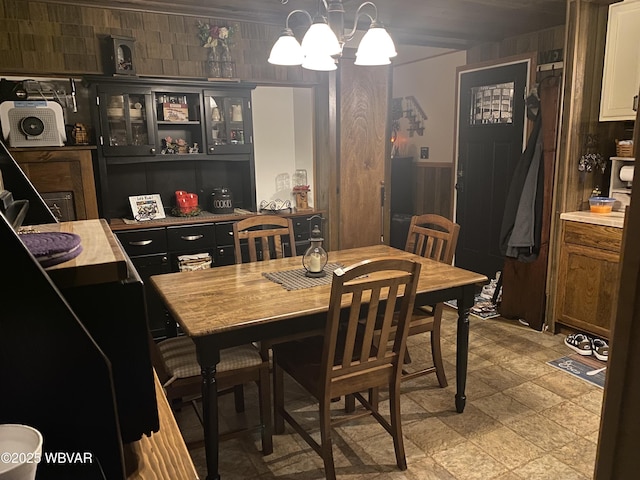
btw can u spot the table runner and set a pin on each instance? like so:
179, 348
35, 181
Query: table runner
296, 279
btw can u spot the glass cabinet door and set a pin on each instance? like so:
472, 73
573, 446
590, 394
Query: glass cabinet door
228, 122
127, 122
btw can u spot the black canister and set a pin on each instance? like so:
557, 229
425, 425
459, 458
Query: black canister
222, 200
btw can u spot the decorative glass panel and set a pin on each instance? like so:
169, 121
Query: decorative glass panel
492, 104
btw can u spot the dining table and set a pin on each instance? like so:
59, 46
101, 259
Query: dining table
236, 304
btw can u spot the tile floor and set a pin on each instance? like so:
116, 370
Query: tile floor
524, 420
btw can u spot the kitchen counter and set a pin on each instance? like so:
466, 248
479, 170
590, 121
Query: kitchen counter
613, 219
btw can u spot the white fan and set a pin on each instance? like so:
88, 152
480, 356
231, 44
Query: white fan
32, 123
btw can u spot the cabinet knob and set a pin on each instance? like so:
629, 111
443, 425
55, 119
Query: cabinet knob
211, 149
164, 260
152, 150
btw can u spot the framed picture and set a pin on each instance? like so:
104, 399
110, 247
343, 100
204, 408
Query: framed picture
146, 207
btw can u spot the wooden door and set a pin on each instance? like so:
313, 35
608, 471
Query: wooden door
364, 97
491, 113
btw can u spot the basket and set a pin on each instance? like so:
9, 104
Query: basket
624, 149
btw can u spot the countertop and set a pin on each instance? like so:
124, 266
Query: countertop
613, 219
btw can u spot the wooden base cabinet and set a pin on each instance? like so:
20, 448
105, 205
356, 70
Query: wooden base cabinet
588, 277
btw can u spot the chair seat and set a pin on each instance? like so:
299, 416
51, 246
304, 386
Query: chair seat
179, 354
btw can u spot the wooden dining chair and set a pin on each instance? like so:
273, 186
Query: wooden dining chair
346, 359
435, 237
174, 360
262, 236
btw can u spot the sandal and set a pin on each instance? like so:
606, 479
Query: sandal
600, 349
580, 343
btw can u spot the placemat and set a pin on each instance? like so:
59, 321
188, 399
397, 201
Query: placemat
52, 248
296, 279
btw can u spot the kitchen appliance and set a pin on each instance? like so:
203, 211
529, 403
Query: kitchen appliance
621, 181
32, 123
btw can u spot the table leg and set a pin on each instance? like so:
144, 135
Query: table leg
465, 302
208, 357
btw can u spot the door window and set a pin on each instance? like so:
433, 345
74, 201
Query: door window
492, 104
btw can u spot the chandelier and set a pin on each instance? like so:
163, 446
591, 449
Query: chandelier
323, 42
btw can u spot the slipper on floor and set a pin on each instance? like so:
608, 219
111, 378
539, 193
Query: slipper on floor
600, 349
580, 343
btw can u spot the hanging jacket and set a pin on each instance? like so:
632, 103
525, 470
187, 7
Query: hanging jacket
522, 219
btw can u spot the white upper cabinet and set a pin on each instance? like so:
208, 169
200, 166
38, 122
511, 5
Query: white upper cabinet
621, 78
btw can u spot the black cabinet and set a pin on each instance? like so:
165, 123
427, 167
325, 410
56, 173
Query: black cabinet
157, 136
155, 250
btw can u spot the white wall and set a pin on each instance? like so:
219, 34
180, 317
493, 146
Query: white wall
432, 82
283, 140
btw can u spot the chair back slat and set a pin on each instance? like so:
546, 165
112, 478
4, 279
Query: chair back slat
433, 236
264, 237
369, 292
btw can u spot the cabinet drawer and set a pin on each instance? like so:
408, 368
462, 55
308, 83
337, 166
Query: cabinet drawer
143, 242
148, 265
300, 228
191, 238
594, 236
224, 234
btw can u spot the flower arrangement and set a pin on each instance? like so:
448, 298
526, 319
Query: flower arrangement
214, 36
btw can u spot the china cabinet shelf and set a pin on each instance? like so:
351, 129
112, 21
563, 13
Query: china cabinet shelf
185, 135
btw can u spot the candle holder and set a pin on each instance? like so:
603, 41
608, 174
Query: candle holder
315, 258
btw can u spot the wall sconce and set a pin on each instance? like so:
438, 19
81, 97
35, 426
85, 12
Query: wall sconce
323, 42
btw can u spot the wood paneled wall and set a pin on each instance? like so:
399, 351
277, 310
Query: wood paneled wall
56, 39
434, 193
540, 41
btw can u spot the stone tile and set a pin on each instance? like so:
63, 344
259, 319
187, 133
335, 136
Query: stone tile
508, 476
591, 401
432, 435
502, 407
565, 385
542, 432
573, 417
534, 396
498, 377
526, 367
476, 388
507, 447
472, 422
593, 437
548, 468
467, 462
427, 469
434, 399
579, 455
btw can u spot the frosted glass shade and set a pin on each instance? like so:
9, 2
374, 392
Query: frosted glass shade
286, 50
371, 60
377, 46
320, 40
323, 63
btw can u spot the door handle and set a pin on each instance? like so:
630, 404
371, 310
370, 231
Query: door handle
141, 243
635, 103
191, 238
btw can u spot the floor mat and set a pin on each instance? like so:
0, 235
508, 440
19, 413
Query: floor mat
587, 368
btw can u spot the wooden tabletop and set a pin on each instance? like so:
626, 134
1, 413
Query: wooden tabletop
101, 261
227, 298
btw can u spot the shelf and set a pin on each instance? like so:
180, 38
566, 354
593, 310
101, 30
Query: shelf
190, 122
